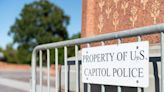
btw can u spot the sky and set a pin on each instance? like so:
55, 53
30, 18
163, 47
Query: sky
11, 9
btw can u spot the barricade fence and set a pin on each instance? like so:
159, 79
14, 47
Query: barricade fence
137, 32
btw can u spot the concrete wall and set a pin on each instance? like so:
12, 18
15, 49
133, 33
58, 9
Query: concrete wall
72, 78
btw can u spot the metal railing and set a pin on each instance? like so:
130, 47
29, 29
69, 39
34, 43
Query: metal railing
137, 32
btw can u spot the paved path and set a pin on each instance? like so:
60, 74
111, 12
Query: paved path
18, 81
25, 87
9, 89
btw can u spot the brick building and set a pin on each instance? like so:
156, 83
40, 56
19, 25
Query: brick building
107, 16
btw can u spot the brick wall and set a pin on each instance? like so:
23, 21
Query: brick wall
107, 16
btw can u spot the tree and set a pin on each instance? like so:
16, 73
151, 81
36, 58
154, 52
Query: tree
1, 49
72, 49
10, 54
39, 22
75, 36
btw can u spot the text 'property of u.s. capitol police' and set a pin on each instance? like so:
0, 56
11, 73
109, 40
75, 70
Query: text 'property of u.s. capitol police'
124, 64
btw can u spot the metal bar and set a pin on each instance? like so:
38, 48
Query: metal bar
89, 85
89, 88
139, 38
162, 61
57, 71
119, 87
110, 36
102, 43
138, 88
102, 86
48, 70
77, 70
66, 69
41, 70
33, 63
119, 41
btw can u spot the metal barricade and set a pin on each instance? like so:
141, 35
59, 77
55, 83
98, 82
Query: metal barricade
137, 32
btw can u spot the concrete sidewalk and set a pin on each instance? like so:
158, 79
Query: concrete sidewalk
9, 89
8, 84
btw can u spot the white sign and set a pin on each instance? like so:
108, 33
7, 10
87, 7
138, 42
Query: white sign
123, 65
